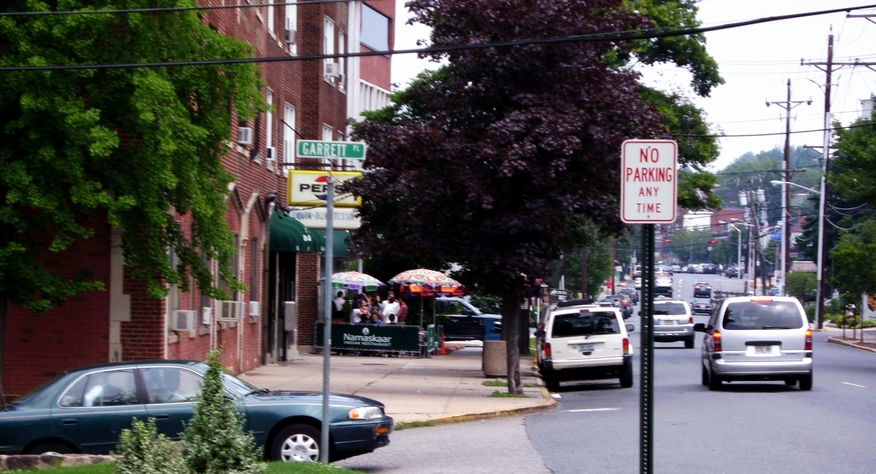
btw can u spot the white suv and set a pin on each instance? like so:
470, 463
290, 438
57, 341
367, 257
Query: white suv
673, 322
757, 338
584, 342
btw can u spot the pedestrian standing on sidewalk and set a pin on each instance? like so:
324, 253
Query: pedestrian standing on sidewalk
338, 308
402, 311
390, 309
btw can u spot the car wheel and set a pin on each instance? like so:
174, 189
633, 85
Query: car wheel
50, 448
551, 383
689, 343
806, 382
296, 443
714, 381
626, 378
705, 376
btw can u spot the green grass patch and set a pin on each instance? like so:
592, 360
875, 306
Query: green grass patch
413, 424
499, 394
273, 468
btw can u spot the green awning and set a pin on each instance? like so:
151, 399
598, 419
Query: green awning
339, 245
290, 235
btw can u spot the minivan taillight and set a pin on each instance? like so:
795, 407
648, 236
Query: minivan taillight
547, 350
626, 345
808, 340
690, 320
716, 338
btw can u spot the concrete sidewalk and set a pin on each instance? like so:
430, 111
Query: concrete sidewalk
865, 339
441, 388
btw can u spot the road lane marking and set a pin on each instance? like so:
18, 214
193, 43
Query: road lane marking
593, 409
854, 385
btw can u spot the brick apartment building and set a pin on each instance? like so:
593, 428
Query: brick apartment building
277, 257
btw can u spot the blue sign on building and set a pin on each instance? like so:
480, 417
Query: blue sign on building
776, 236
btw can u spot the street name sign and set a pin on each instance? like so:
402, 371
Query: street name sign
325, 149
649, 181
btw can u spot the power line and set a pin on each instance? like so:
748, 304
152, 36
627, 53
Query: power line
591, 38
822, 130
164, 9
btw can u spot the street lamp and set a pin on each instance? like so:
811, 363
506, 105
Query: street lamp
738, 250
820, 270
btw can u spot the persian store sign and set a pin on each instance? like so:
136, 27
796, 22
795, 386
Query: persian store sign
649, 181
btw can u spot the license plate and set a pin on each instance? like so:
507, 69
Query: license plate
763, 349
588, 347
669, 322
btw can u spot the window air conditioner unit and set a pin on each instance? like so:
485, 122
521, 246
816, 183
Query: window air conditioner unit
271, 153
332, 69
183, 321
244, 136
229, 311
291, 36
206, 316
255, 309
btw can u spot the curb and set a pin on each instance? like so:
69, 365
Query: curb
548, 404
848, 343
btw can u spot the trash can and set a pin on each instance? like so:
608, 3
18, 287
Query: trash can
495, 359
491, 332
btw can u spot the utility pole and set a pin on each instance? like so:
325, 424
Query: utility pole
786, 199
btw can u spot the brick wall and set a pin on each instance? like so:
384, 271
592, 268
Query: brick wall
307, 281
40, 346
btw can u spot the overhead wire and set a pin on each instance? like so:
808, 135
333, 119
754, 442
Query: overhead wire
596, 37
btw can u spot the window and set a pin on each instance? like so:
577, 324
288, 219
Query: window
269, 121
106, 388
271, 18
585, 324
342, 49
254, 273
288, 136
375, 29
328, 44
171, 385
327, 132
292, 29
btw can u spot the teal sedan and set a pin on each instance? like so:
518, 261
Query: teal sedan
84, 411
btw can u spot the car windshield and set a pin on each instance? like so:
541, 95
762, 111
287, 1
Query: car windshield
746, 315
669, 308
585, 324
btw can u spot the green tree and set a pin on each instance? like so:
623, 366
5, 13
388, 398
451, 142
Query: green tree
502, 158
90, 148
854, 271
801, 285
214, 441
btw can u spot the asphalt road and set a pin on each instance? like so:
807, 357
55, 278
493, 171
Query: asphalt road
745, 428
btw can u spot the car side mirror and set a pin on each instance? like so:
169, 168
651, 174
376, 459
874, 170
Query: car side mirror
699, 327
539, 333
630, 328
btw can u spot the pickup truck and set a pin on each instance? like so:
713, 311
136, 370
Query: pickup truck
461, 321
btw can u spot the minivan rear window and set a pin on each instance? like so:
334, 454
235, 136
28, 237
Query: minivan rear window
585, 324
746, 315
669, 308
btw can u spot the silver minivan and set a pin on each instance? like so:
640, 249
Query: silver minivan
757, 338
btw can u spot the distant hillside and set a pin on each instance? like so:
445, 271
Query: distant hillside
756, 171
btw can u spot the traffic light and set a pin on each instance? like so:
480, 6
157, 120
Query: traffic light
666, 241
714, 241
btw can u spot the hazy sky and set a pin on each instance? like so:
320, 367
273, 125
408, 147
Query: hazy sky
756, 63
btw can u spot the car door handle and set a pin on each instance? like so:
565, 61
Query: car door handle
163, 416
68, 422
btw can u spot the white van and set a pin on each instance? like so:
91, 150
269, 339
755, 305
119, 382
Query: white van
583, 342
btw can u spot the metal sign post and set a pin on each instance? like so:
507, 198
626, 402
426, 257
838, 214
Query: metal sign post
649, 192
326, 334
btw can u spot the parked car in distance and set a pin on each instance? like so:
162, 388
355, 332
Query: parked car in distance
673, 321
637, 283
626, 304
702, 289
757, 338
461, 321
584, 342
84, 410
632, 293
731, 272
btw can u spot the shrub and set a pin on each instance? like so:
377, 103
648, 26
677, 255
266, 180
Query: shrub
144, 451
214, 441
870, 323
